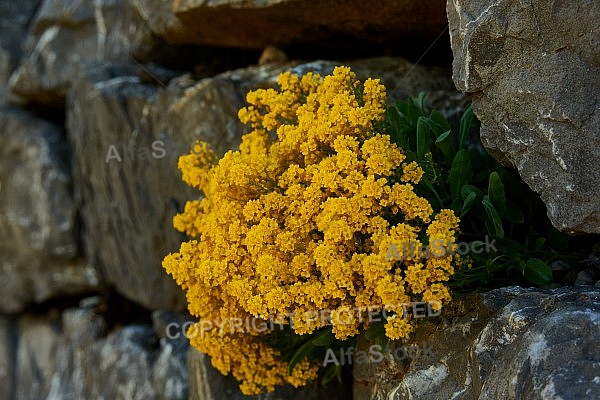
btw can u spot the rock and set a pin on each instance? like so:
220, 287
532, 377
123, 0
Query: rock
159, 15
272, 55
256, 24
510, 343
71, 358
127, 203
38, 345
127, 206
172, 325
14, 22
68, 31
8, 356
131, 362
534, 75
585, 278
38, 228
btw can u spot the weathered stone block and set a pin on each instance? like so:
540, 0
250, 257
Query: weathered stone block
533, 69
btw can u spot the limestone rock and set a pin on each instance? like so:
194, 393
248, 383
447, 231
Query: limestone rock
272, 55
510, 343
14, 22
8, 346
74, 358
259, 23
533, 69
37, 348
38, 228
65, 32
159, 15
128, 202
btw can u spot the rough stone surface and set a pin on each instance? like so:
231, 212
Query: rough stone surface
533, 69
257, 24
206, 383
65, 32
14, 22
8, 345
39, 254
72, 357
38, 346
510, 343
127, 206
159, 15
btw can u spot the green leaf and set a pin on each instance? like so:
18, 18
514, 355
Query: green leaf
299, 355
434, 199
496, 193
460, 172
334, 371
375, 330
513, 213
467, 204
439, 119
420, 100
444, 143
510, 247
493, 217
466, 123
466, 190
324, 339
399, 133
538, 272
539, 242
423, 139
443, 137
376, 333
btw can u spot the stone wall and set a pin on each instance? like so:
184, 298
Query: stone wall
99, 99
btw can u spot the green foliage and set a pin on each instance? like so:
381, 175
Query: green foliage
489, 198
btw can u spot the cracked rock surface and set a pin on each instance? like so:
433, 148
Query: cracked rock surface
509, 343
533, 69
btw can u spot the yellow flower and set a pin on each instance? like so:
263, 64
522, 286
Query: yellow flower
397, 327
411, 172
300, 220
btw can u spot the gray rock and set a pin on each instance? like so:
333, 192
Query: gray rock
39, 253
68, 31
38, 346
159, 15
127, 206
72, 358
171, 325
259, 23
510, 343
14, 22
170, 378
585, 278
127, 203
534, 72
172, 364
8, 357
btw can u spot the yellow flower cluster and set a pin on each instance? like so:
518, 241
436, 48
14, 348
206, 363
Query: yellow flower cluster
300, 220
